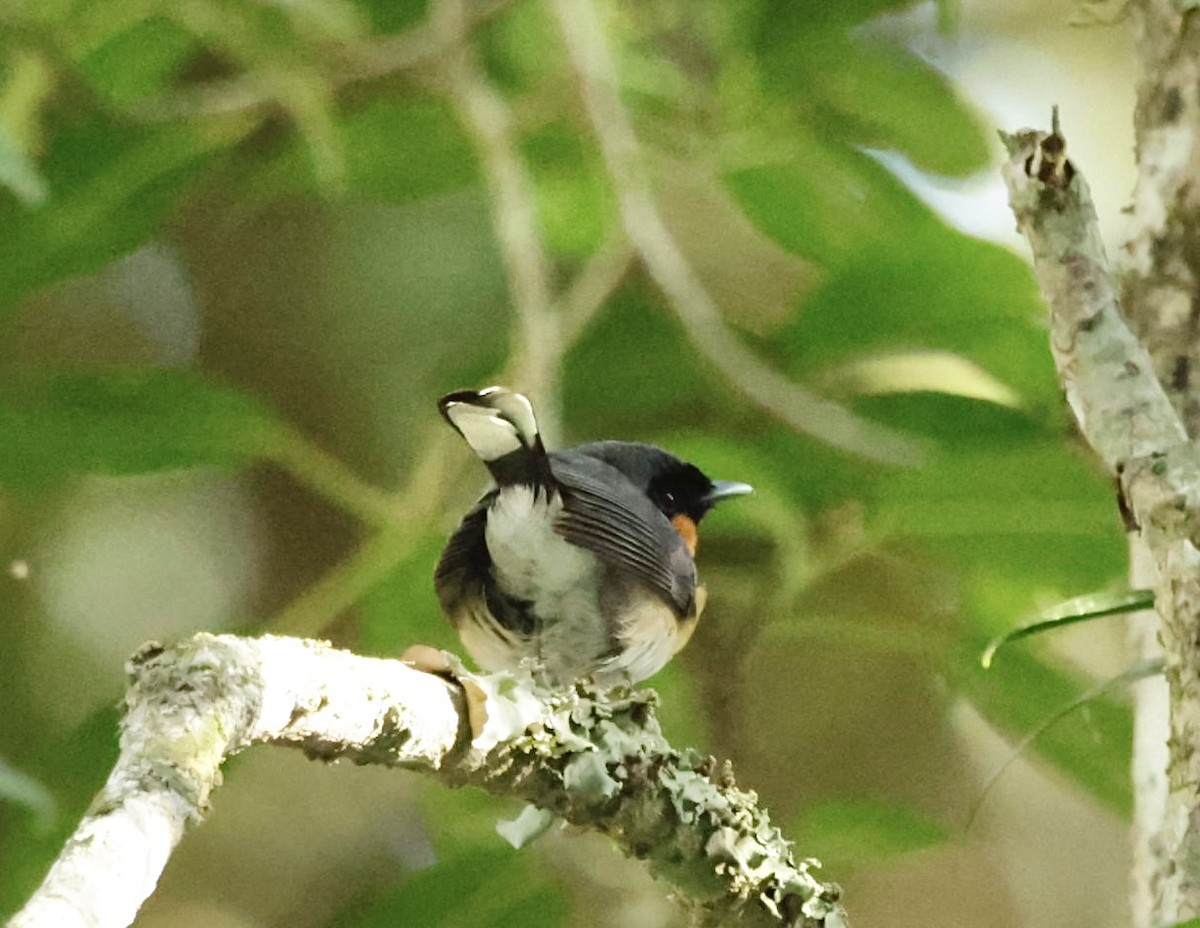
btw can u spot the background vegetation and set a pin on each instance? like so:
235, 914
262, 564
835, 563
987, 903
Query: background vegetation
245, 246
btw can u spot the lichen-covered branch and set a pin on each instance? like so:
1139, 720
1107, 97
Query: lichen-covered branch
598, 762
1110, 383
1127, 417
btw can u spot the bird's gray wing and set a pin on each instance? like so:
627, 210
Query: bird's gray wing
603, 512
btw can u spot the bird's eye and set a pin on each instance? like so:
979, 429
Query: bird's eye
669, 499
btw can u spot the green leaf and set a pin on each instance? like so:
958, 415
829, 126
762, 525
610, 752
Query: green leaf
522, 48
864, 831
931, 289
138, 62
60, 423
935, 289
399, 152
1078, 609
875, 96
26, 84
1027, 513
924, 372
956, 423
825, 202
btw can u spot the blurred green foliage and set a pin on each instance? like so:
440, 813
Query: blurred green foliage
62, 424
315, 185
865, 831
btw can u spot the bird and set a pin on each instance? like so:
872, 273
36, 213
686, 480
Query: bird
578, 563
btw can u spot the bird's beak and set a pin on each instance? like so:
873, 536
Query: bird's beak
723, 489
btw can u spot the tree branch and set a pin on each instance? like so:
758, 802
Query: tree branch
1161, 281
1111, 387
1125, 414
596, 761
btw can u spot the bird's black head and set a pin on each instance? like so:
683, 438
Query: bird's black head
675, 487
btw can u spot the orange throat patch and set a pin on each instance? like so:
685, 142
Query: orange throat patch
686, 528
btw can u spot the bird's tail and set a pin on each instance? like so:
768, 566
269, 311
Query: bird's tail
502, 430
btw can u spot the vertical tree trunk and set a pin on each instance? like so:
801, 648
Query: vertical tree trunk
1161, 296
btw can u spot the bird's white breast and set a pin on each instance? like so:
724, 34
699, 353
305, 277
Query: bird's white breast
532, 562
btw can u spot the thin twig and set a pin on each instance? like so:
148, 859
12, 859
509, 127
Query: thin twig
768, 389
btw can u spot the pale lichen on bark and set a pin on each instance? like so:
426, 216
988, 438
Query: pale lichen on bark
598, 760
